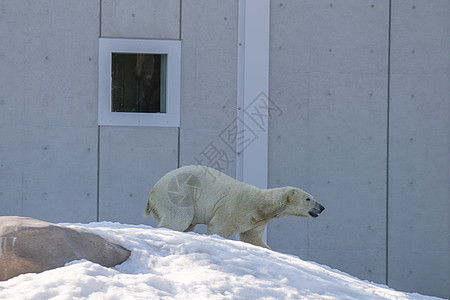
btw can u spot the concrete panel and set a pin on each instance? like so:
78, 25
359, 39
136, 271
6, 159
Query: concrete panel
48, 109
60, 79
328, 74
49, 173
206, 147
131, 161
330, 141
420, 37
59, 174
151, 19
419, 207
49, 65
209, 80
209, 64
425, 272
12, 70
330, 36
12, 149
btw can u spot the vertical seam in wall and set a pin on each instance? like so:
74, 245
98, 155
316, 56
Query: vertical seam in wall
181, 18
179, 140
387, 137
98, 173
100, 20
240, 76
98, 127
179, 128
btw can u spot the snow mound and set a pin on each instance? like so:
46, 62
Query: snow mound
166, 264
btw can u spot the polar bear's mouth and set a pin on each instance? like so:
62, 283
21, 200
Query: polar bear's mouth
315, 212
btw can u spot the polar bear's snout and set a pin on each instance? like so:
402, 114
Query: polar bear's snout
316, 210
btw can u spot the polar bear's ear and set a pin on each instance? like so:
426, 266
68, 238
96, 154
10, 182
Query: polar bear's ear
290, 194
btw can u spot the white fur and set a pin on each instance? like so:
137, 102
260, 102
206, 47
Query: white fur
224, 204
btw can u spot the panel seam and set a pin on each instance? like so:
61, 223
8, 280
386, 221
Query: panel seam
240, 84
179, 147
387, 136
98, 173
98, 127
179, 127
181, 19
100, 20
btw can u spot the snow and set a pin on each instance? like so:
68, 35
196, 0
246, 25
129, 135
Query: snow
166, 264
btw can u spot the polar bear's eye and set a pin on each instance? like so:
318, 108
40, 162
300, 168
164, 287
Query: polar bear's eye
308, 199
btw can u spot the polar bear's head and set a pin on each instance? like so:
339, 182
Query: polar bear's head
296, 202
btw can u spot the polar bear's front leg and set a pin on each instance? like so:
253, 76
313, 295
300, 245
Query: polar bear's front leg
220, 225
254, 236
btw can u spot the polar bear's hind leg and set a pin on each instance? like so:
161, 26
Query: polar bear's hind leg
176, 218
190, 228
170, 224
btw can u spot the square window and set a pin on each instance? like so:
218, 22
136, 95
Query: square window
139, 82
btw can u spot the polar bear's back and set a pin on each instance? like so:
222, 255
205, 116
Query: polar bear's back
207, 176
195, 180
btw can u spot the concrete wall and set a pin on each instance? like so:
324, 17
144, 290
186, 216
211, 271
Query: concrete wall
131, 159
209, 81
364, 89
329, 76
48, 109
419, 143
364, 94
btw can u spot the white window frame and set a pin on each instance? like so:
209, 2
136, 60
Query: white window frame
172, 48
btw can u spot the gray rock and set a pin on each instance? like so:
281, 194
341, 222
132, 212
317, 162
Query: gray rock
31, 246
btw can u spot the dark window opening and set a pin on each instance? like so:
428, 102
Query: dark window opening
138, 83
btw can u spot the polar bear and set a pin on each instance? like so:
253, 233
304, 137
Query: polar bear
194, 195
